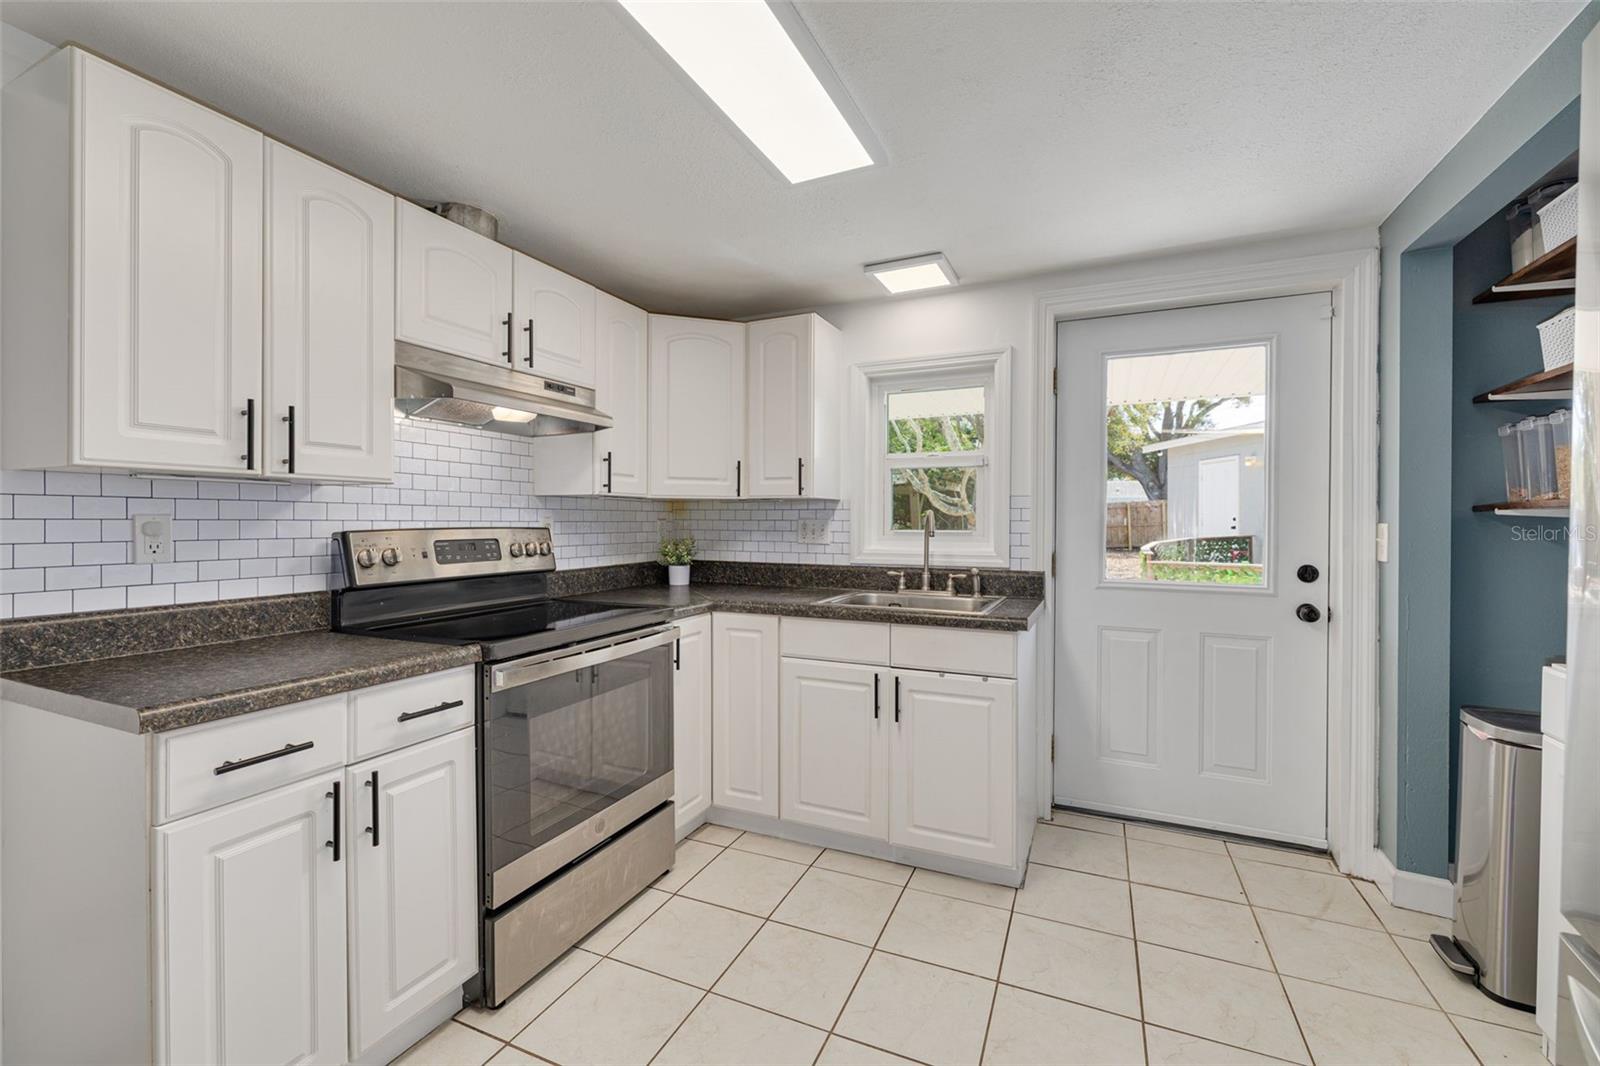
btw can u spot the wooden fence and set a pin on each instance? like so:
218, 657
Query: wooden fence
1135, 522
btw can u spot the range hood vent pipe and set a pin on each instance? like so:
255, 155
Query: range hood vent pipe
473, 218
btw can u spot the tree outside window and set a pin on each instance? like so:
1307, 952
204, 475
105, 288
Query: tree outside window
936, 455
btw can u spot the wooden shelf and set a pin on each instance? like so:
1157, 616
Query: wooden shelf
1552, 274
1545, 385
1527, 508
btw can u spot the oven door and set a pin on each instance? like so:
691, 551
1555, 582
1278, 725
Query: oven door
578, 747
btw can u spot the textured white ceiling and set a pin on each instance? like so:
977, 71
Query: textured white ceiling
1020, 137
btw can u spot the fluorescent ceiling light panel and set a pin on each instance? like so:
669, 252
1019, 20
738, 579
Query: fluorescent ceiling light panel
741, 56
918, 272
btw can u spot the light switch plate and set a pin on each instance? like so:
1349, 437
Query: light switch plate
813, 531
152, 538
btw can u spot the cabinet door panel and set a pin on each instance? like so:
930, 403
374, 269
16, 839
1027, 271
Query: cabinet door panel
833, 753
414, 929
779, 406
952, 766
250, 923
453, 287
691, 719
744, 712
330, 321
697, 397
168, 277
554, 323
622, 332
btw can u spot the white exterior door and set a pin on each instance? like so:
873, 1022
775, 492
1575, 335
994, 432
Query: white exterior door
834, 748
168, 278
778, 415
951, 758
744, 712
1218, 496
697, 397
555, 322
412, 839
691, 720
1188, 688
452, 288
330, 322
250, 923
622, 336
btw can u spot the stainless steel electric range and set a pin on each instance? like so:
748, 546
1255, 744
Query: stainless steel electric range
574, 728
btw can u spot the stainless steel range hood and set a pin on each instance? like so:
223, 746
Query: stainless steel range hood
442, 387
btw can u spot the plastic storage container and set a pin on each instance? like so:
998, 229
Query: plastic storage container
1558, 219
1511, 448
1537, 199
1556, 339
1561, 452
1538, 479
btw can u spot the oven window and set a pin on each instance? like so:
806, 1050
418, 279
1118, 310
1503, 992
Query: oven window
566, 747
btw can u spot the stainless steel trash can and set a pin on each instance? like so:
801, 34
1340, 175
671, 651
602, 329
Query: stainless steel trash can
1496, 929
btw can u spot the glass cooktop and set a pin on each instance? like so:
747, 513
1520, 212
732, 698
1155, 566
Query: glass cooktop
535, 625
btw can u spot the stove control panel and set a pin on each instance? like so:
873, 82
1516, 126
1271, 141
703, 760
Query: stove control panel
397, 556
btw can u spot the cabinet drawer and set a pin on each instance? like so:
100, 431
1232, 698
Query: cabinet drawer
209, 765
391, 716
848, 642
954, 651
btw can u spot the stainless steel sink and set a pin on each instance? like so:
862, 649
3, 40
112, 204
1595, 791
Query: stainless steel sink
919, 601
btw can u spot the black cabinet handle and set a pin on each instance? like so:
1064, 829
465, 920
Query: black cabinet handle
677, 654
372, 783
289, 418
528, 329
738, 477
508, 326
897, 699
249, 455
875, 705
608, 471
267, 756
445, 706
338, 817
800, 476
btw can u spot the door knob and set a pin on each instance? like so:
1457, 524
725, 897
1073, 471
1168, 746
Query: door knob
1308, 573
1308, 613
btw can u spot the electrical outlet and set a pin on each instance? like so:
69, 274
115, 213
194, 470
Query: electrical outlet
813, 531
152, 538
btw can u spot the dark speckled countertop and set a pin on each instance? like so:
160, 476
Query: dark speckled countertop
1014, 614
158, 691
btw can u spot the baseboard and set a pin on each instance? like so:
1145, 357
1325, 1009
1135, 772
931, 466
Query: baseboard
1407, 890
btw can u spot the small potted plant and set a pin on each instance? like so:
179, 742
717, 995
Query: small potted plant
676, 555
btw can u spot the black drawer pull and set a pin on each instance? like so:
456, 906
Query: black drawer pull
338, 819
239, 764
372, 783
445, 706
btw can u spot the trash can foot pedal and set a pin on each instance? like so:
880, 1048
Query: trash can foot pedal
1451, 954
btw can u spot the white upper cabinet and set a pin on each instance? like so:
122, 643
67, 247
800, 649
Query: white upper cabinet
696, 420
453, 288
554, 322
621, 453
330, 322
792, 408
133, 252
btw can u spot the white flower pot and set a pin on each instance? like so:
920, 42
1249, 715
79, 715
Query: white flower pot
678, 575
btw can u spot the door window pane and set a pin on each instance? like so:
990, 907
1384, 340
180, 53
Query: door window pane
1186, 467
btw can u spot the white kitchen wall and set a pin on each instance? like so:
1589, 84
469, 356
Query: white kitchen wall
66, 537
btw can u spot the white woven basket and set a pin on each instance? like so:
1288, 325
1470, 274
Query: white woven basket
1556, 339
1558, 220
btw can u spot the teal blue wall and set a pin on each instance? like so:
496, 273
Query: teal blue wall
1529, 130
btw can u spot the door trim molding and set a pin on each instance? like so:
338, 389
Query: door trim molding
1352, 279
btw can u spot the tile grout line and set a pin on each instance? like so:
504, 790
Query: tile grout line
1267, 945
1138, 969
1005, 942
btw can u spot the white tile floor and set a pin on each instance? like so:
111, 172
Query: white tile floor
1127, 944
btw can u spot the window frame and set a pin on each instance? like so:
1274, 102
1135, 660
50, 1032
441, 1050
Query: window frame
872, 541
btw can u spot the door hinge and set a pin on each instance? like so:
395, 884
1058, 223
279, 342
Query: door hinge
1052, 749
1055, 381
1052, 564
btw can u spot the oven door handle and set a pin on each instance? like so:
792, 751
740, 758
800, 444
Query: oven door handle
537, 668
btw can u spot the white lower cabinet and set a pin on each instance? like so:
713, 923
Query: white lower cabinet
691, 721
744, 712
250, 916
952, 765
412, 854
834, 747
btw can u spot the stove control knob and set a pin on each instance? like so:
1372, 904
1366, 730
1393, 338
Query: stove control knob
515, 550
544, 547
391, 556
365, 559
531, 549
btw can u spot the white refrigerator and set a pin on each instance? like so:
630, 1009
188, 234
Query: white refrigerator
1578, 992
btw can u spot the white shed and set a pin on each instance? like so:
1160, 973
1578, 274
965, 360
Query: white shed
1216, 483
